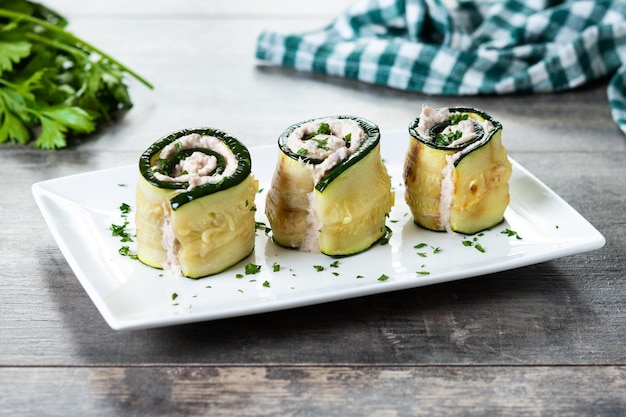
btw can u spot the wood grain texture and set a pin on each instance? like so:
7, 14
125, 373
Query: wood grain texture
548, 339
318, 391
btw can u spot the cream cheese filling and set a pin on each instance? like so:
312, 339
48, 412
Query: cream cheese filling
171, 245
338, 141
198, 168
431, 117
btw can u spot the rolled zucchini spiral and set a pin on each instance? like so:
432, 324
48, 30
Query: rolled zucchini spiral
330, 192
456, 170
195, 203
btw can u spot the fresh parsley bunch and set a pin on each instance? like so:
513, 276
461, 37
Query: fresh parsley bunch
53, 84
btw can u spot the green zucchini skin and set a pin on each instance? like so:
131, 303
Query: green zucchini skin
149, 157
483, 137
372, 139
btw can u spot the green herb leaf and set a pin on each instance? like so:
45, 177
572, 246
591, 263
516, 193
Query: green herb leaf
252, 269
456, 117
324, 129
511, 233
321, 143
53, 85
125, 209
125, 251
445, 139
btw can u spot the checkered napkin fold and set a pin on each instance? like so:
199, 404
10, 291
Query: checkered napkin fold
467, 47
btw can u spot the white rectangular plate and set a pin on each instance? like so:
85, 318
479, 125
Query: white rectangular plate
79, 210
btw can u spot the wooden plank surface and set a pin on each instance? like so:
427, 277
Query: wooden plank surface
549, 339
316, 391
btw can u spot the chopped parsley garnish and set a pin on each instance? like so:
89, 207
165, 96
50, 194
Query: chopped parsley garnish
120, 230
474, 243
445, 139
174, 296
321, 143
266, 284
420, 246
238, 276
383, 277
335, 264
511, 233
262, 226
125, 251
318, 268
125, 208
252, 269
348, 139
324, 129
455, 118
275, 267
302, 151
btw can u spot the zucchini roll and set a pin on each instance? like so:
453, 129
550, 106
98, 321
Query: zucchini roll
330, 191
456, 170
195, 203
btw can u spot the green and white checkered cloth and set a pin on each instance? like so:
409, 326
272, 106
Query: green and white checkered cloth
467, 47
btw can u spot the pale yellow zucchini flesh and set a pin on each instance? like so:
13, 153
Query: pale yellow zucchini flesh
477, 188
196, 232
341, 214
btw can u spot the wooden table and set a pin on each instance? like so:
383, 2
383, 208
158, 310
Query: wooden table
547, 339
